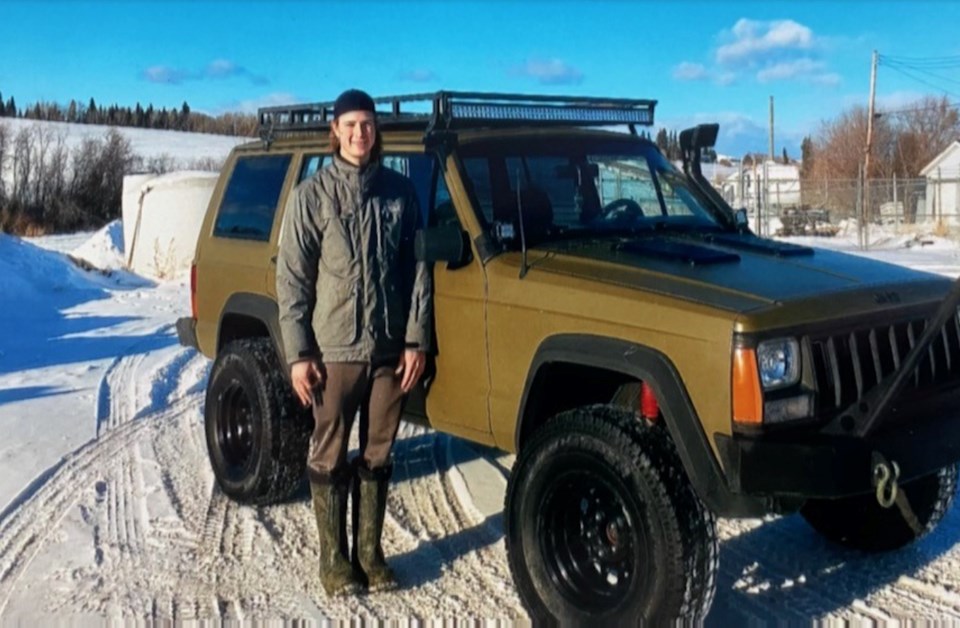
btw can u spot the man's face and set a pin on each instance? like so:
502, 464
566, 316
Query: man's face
356, 131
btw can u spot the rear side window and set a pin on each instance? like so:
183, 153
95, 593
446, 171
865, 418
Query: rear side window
250, 200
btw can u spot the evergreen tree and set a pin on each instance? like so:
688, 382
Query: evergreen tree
185, 116
806, 157
90, 117
786, 158
72, 111
3, 108
662, 141
12, 108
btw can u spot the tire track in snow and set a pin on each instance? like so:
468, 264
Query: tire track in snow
112, 397
207, 558
24, 531
428, 510
110, 463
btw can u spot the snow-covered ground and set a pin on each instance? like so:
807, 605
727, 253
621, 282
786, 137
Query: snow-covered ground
108, 508
180, 149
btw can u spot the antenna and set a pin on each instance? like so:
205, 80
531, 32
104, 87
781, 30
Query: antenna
523, 235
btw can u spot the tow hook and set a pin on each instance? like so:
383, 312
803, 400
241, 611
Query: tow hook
885, 476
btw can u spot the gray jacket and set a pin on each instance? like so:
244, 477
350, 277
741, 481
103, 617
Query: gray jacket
348, 286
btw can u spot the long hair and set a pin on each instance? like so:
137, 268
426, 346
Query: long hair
375, 151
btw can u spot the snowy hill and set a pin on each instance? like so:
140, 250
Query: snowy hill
184, 148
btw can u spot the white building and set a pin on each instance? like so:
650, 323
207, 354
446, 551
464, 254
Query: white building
943, 187
770, 184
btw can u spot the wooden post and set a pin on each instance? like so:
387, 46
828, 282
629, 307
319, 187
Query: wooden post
869, 146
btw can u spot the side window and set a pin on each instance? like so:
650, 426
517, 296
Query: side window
678, 200
311, 165
444, 212
478, 172
250, 200
419, 168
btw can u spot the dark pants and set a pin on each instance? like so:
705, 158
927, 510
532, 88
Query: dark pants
349, 386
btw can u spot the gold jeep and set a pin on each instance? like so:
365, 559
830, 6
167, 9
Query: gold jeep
608, 317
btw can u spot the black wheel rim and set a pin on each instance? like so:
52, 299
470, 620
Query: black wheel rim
234, 427
589, 539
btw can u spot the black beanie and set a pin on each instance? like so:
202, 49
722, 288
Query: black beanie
353, 100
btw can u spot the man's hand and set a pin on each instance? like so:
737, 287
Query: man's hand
411, 367
305, 376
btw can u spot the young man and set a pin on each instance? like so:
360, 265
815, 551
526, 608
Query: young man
355, 316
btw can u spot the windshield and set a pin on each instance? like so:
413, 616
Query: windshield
569, 187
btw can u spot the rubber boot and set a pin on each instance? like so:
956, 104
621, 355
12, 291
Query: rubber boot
369, 509
337, 575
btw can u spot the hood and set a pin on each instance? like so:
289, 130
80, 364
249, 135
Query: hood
740, 273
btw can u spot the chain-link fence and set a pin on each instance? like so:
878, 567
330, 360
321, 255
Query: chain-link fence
785, 205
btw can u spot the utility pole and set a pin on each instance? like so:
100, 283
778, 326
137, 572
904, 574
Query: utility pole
869, 146
771, 129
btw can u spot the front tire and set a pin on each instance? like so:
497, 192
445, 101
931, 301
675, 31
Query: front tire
603, 526
861, 523
256, 433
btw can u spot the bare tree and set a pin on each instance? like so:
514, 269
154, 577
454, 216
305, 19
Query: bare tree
4, 148
925, 129
903, 143
22, 159
43, 137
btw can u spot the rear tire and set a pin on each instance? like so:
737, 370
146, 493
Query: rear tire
256, 433
603, 526
861, 523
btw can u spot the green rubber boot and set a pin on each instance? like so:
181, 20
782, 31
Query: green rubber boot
337, 575
369, 509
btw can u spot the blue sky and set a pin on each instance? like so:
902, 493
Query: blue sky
703, 61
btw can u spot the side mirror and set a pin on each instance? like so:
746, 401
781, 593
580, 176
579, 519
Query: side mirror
447, 243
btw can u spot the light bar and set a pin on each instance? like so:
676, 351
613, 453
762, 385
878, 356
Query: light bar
541, 113
449, 110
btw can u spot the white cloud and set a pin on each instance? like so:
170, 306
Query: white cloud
893, 101
217, 69
788, 70
753, 39
687, 71
165, 74
726, 78
549, 71
829, 79
267, 100
221, 68
739, 133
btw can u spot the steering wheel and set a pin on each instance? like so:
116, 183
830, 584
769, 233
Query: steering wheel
621, 210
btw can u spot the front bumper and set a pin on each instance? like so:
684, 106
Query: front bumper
187, 332
921, 437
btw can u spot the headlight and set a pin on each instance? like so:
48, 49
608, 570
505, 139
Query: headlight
779, 362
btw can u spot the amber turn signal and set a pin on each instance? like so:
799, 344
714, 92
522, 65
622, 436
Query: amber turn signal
747, 398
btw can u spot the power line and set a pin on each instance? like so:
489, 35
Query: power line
923, 71
937, 63
921, 80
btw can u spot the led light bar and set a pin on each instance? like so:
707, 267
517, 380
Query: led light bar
540, 113
449, 110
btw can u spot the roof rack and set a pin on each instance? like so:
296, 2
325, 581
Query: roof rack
446, 110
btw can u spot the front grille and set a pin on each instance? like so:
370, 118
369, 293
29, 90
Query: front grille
848, 365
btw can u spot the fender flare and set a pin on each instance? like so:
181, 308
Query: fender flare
680, 417
259, 307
